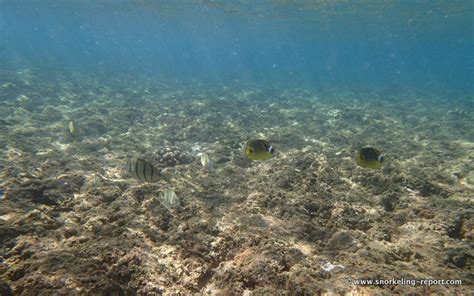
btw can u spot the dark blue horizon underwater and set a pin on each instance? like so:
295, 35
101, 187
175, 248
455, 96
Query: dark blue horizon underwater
355, 45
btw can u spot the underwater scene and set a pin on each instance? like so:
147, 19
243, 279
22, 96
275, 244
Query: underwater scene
205, 147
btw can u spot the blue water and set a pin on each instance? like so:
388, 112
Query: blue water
360, 45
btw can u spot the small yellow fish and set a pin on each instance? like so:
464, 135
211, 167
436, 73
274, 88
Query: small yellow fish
259, 150
72, 126
369, 157
207, 162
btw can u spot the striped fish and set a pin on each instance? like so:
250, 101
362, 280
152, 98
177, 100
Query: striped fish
142, 170
169, 199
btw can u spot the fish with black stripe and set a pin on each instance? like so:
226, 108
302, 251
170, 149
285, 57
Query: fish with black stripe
142, 170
